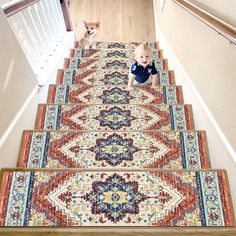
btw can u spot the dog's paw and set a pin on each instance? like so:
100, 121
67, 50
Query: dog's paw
86, 47
94, 47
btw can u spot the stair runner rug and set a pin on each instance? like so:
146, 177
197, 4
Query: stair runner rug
120, 45
108, 63
114, 94
114, 117
98, 198
77, 149
117, 53
106, 77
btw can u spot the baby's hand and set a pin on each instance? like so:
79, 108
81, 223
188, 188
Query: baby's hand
154, 86
130, 87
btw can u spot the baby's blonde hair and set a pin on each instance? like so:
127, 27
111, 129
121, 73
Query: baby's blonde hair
143, 47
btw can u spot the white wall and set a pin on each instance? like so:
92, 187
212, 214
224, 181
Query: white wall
17, 79
204, 64
19, 94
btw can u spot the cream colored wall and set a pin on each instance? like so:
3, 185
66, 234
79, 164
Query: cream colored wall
209, 61
223, 9
204, 64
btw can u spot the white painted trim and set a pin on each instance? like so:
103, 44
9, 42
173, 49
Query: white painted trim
184, 77
18, 115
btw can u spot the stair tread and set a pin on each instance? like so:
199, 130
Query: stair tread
108, 63
114, 117
110, 53
105, 77
120, 198
77, 149
91, 94
124, 45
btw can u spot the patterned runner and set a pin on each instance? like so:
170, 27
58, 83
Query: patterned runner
107, 64
114, 95
120, 45
92, 198
106, 77
73, 149
114, 117
117, 53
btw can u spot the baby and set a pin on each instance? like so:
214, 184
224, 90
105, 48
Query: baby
142, 68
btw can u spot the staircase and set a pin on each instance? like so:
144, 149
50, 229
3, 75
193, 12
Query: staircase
102, 156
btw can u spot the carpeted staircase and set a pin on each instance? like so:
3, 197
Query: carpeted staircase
103, 156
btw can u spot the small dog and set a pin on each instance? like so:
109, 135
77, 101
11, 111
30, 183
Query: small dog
89, 39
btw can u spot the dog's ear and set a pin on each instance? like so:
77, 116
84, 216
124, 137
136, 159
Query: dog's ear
85, 24
98, 24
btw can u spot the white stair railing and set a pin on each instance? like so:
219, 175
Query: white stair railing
39, 28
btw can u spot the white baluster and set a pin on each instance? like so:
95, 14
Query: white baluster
26, 39
41, 31
36, 29
56, 19
50, 18
46, 23
60, 14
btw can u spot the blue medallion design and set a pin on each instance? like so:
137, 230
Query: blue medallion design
116, 53
116, 45
115, 118
116, 96
116, 65
115, 78
115, 198
114, 149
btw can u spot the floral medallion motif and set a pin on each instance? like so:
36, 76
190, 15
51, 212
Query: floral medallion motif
116, 96
115, 198
115, 118
114, 149
116, 64
116, 45
117, 53
115, 78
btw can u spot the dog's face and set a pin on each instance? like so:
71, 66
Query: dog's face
91, 28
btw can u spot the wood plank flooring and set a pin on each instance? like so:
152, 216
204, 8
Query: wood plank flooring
120, 20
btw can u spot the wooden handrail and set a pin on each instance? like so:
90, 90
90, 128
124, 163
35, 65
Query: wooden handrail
66, 14
19, 6
223, 28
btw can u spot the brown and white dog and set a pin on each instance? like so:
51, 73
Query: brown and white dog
89, 39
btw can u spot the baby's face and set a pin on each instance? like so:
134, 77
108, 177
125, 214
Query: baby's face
143, 57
